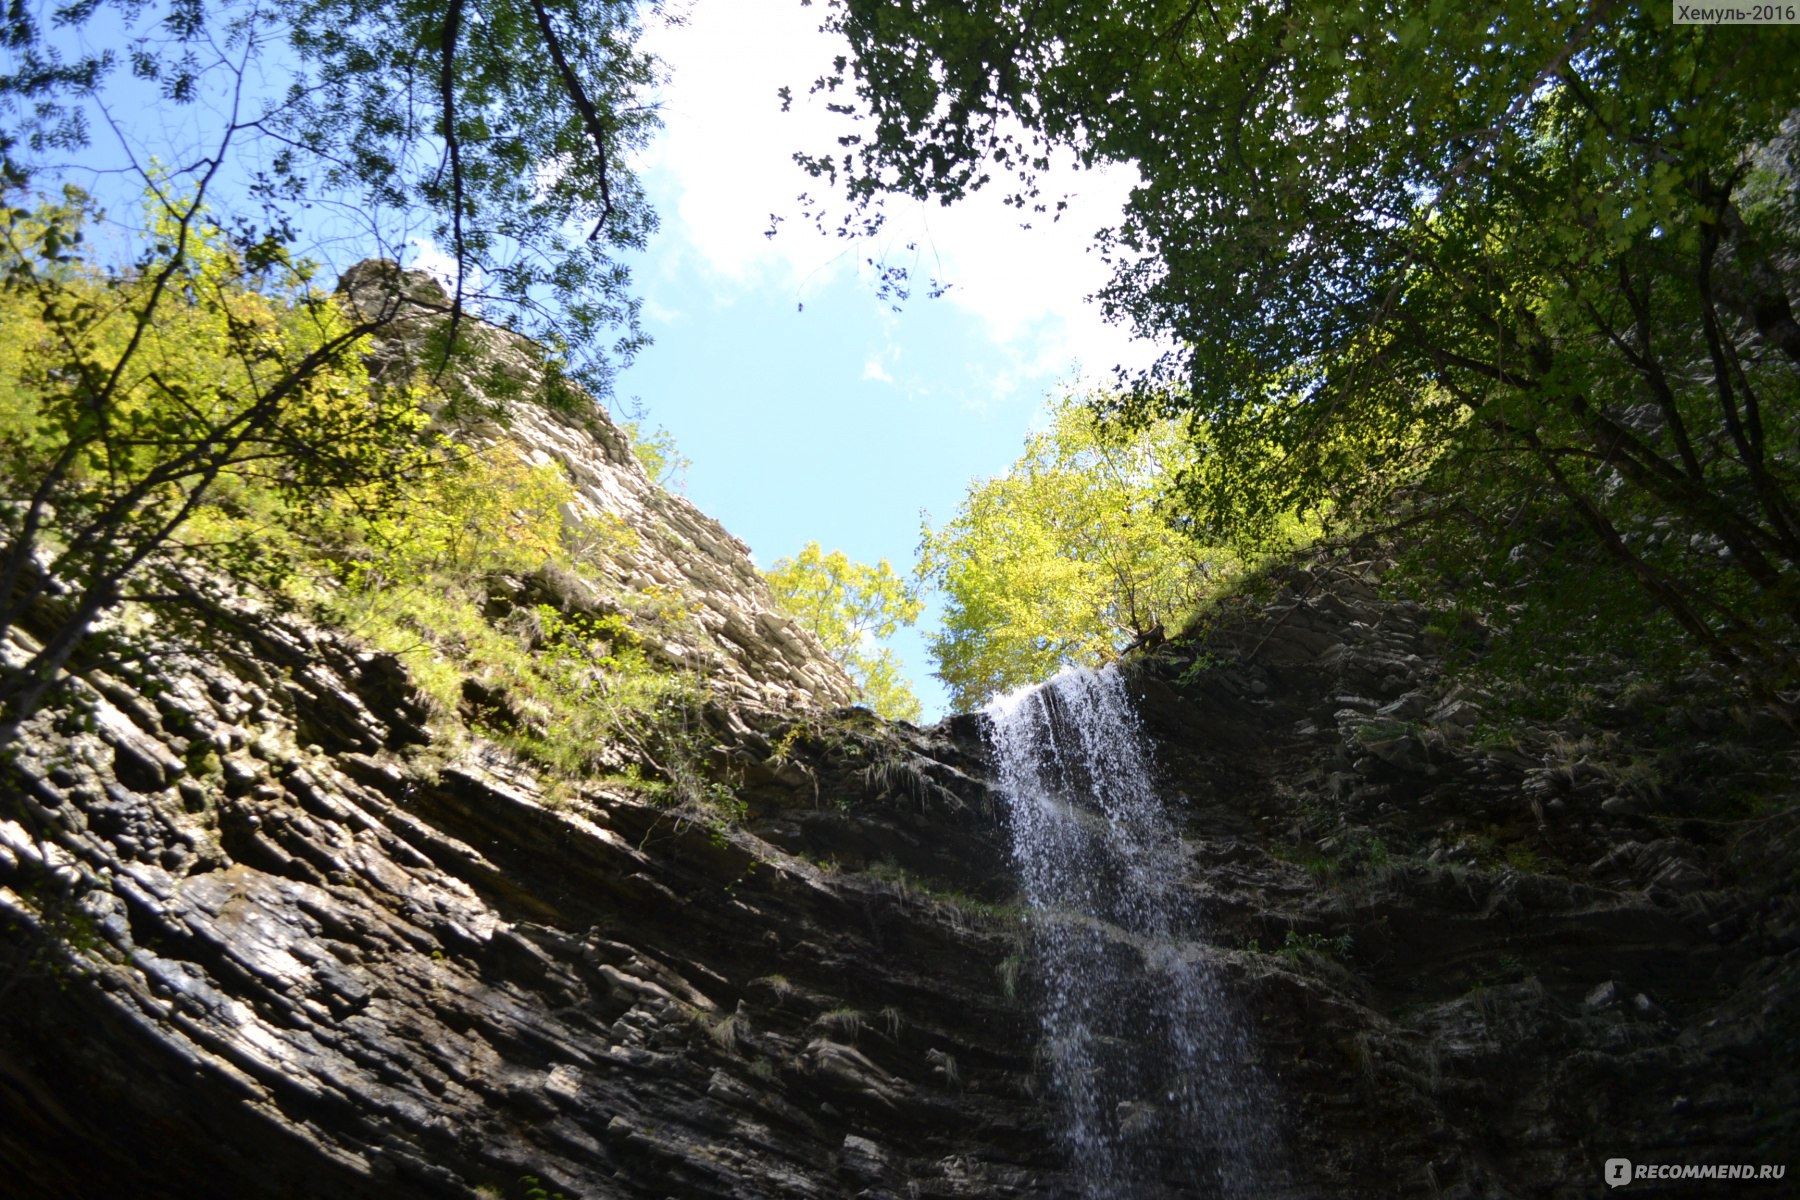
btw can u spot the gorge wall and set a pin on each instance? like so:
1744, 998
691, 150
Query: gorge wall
269, 931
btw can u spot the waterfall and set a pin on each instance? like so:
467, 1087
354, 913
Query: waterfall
1150, 1066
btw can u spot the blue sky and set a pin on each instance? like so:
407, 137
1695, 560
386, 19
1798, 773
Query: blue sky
809, 409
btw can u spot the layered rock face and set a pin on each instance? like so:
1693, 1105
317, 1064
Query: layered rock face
751, 655
271, 931
331, 972
268, 933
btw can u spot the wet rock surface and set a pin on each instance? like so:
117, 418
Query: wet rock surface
242, 965
262, 939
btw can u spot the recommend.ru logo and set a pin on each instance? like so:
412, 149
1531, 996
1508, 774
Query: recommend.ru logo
1621, 1171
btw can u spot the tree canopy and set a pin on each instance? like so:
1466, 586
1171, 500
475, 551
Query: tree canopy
499, 130
851, 608
1068, 557
1558, 235
126, 402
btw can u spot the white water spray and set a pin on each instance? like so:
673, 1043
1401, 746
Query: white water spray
1148, 1062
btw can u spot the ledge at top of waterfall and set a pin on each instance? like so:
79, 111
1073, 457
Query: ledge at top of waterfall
1148, 1059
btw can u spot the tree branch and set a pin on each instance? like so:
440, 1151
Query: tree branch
453, 146
590, 116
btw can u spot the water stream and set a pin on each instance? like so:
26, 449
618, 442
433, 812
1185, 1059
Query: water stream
1147, 1060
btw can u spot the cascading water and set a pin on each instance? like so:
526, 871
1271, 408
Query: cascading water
1148, 1061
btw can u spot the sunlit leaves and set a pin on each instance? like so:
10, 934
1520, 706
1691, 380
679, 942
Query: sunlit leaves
1066, 558
477, 511
502, 130
852, 608
657, 453
129, 402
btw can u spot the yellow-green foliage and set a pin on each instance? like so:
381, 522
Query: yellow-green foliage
851, 608
204, 376
1069, 556
658, 454
334, 492
135, 397
482, 511
574, 691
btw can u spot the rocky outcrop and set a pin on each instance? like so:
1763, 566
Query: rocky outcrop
268, 932
750, 654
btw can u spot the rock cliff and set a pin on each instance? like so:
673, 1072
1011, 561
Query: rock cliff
750, 654
269, 932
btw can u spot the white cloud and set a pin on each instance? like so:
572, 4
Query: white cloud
662, 314
724, 164
727, 147
440, 264
873, 369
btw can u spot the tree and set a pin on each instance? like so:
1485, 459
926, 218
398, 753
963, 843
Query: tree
1558, 234
139, 389
1067, 558
125, 400
497, 129
851, 607
658, 454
